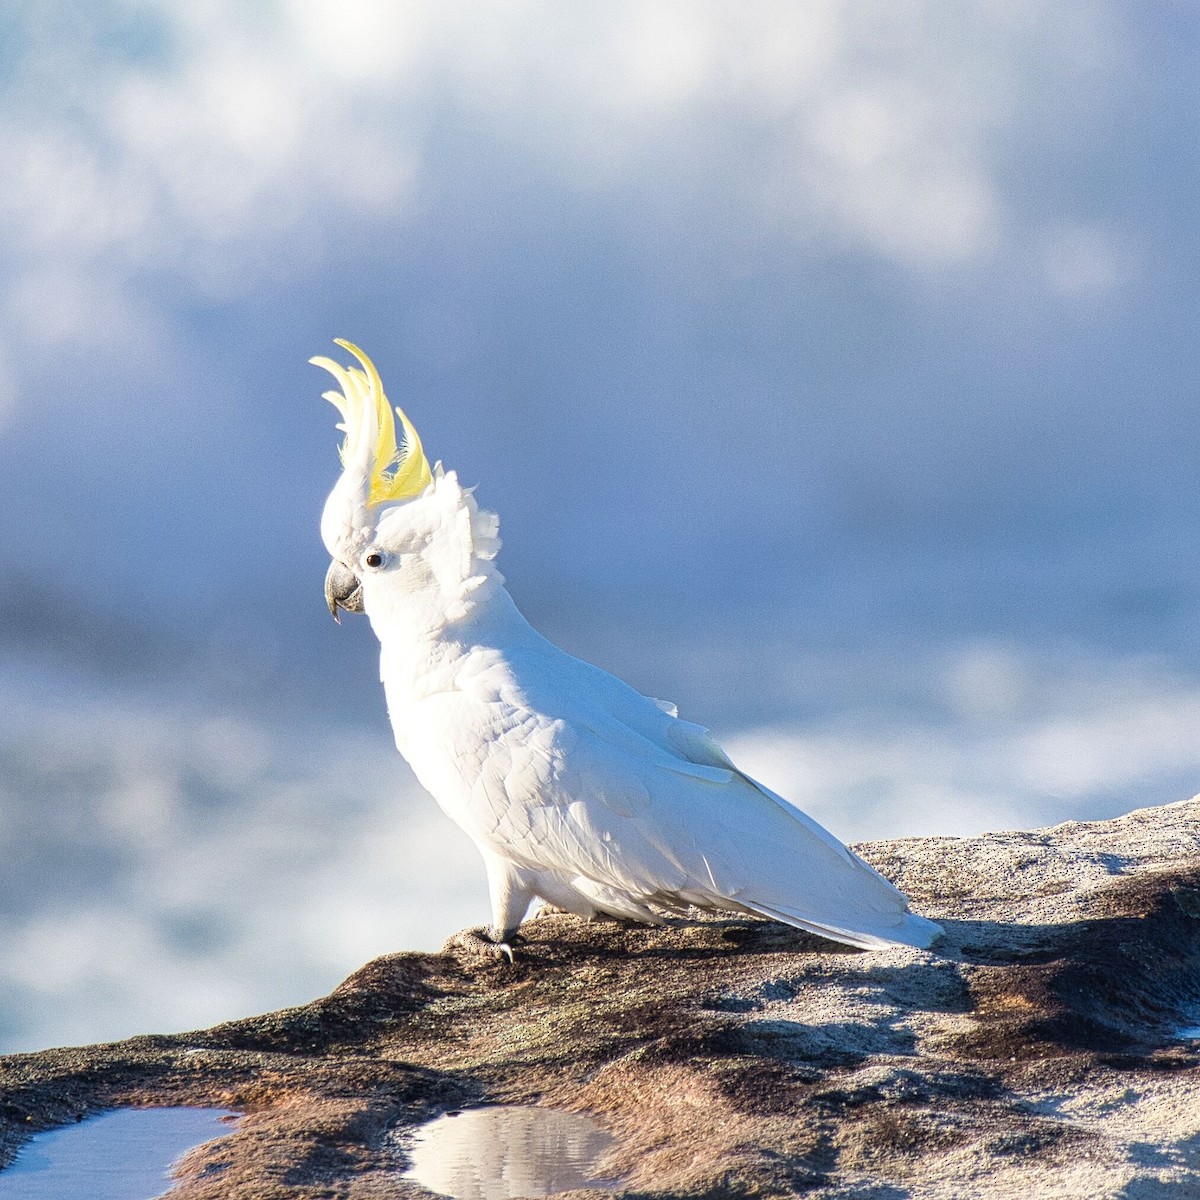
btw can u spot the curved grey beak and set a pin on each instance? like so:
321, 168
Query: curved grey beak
342, 590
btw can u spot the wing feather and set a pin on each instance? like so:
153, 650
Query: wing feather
606, 791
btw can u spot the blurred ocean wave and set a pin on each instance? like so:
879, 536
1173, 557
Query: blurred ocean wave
1005, 740
172, 864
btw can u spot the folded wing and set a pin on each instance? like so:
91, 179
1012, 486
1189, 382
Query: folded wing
642, 807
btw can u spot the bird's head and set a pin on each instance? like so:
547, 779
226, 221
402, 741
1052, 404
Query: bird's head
399, 531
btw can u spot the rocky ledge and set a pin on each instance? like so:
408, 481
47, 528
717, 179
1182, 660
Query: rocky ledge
1047, 1046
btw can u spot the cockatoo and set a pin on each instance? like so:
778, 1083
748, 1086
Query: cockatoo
577, 789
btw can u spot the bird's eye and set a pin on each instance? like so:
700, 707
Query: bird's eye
374, 559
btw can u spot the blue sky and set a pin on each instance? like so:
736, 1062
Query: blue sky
671, 281
831, 366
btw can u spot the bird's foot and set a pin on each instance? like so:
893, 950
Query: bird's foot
482, 945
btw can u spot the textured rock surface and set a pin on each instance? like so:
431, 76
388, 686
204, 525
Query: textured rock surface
1040, 1050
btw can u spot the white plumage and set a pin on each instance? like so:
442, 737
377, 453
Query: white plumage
575, 788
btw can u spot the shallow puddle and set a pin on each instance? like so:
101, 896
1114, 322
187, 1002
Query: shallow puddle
121, 1155
507, 1152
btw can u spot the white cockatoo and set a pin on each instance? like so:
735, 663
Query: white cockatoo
577, 789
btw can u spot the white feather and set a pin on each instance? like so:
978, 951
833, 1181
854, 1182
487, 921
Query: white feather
576, 788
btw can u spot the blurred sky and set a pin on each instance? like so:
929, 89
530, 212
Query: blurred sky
831, 366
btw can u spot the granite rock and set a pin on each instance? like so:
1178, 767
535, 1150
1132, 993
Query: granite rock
1047, 1045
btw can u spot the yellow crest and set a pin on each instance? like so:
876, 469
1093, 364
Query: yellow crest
396, 472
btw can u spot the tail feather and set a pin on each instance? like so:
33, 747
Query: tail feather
909, 929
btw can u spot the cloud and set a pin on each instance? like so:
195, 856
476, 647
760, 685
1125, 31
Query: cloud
217, 161
226, 146
8, 389
1085, 262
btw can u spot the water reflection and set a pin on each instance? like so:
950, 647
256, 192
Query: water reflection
507, 1152
121, 1155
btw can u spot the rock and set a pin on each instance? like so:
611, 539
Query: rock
1041, 1049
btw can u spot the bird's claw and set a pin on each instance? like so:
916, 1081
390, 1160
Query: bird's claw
481, 943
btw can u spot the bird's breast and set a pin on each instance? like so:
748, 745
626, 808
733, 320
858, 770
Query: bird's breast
488, 762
